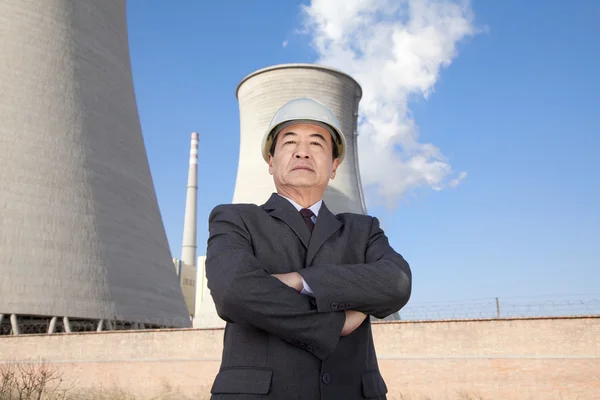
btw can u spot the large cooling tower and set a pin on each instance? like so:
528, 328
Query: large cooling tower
81, 235
260, 95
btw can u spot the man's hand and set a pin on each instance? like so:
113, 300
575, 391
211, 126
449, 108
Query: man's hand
292, 279
353, 320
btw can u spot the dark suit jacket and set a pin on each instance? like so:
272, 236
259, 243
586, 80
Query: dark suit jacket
278, 343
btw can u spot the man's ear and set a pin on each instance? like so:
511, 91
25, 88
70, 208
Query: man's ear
270, 161
336, 164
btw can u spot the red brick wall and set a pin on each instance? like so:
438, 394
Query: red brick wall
543, 358
492, 359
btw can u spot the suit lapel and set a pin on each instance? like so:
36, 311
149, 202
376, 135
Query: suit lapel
327, 224
280, 208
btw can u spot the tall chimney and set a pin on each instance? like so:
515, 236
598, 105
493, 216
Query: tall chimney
188, 252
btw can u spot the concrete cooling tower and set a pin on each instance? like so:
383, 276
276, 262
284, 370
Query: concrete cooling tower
261, 93
82, 241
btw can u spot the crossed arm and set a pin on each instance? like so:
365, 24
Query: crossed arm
353, 318
246, 294
380, 287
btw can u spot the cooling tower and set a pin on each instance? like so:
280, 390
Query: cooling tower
81, 235
260, 95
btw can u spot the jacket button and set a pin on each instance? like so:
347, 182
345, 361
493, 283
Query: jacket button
334, 306
310, 348
326, 378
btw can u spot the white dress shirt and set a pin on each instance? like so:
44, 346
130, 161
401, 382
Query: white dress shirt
315, 209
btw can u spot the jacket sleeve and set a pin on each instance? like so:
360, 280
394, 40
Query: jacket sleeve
379, 287
245, 293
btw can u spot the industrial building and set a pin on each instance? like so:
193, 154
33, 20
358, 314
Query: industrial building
205, 315
260, 95
82, 241
187, 281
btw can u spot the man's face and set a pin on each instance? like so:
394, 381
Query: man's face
303, 157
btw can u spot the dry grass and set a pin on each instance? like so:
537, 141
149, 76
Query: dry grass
117, 394
121, 394
459, 395
40, 381
44, 381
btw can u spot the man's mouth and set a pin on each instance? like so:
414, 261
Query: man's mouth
302, 167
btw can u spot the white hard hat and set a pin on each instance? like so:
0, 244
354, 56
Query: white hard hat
305, 110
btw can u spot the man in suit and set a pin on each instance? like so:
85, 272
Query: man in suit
297, 283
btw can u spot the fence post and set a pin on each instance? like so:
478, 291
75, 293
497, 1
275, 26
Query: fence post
497, 308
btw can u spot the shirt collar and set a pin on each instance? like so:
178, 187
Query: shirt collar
314, 208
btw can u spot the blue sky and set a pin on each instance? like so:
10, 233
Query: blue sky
516, 109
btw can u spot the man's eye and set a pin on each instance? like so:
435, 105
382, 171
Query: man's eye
317, 143
290, 141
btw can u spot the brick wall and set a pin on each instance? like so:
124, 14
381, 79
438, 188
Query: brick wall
540, 358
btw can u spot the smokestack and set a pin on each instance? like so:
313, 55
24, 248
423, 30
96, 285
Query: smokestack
188, 252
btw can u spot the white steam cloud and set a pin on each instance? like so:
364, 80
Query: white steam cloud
395, 50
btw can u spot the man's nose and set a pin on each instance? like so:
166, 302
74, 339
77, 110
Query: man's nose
302, 151
302, 154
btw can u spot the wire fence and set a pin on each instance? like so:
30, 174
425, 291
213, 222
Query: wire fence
490, 308
493, 308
